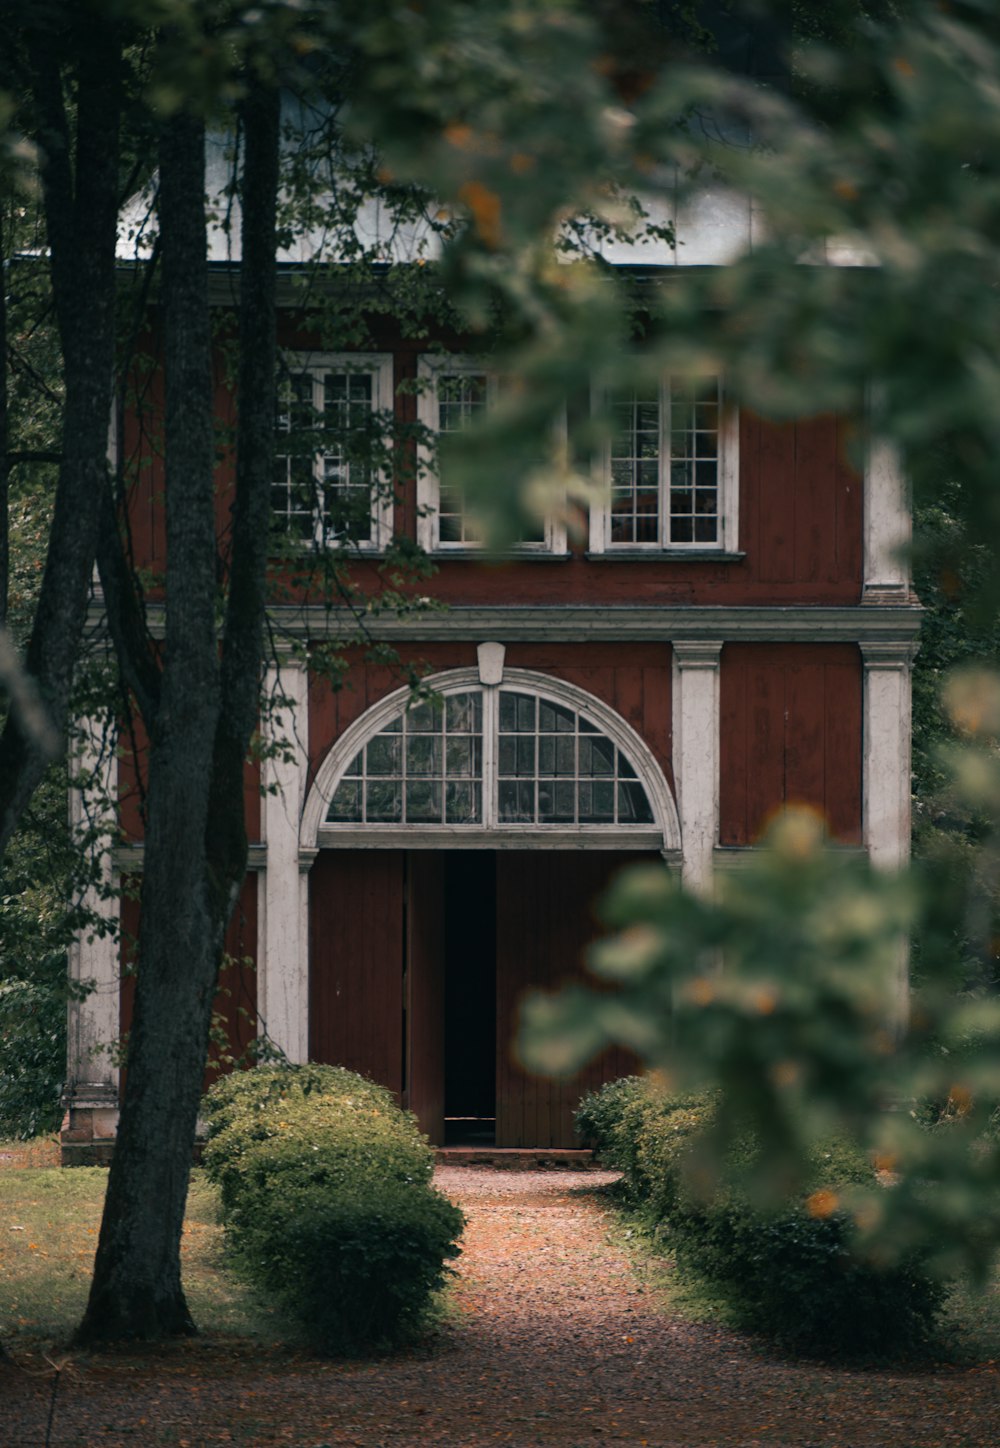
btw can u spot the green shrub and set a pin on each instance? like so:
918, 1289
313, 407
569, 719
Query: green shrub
790, 1276
327, 1203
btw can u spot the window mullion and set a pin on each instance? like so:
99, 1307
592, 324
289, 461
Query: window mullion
491, 727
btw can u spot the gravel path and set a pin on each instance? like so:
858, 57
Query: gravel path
555, 1342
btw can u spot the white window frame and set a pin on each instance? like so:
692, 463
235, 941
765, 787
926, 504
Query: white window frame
379, 366
727, 540
430, 367
662, 834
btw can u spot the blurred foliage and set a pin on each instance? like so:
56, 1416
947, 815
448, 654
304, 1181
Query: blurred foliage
788, 1274
877, 190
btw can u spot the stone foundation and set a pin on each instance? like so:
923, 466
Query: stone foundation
89, 1127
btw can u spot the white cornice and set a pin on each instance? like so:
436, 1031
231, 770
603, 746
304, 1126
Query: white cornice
591, 623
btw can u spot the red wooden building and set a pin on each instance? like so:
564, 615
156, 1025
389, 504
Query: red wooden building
733, 631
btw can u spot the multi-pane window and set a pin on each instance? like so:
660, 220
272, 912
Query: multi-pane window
327, 485
668, 468
555, 767
455, 392
425, 767
460, 398
491, 758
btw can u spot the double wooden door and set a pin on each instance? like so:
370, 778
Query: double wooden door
384, 974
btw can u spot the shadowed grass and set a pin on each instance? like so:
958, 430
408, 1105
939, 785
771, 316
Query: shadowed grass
49, 1221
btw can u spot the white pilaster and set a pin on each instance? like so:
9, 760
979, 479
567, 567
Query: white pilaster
887, 731
93, 1024
696, 755
283, 972
888, 528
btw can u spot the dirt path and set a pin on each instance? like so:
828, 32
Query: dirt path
556, 1343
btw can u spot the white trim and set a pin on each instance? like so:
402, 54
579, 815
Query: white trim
379, 366
94, 1023
590, 623
665, 833
887, 779
696, 754
282, 969
888, 525
491, 658
727, 484
430, 366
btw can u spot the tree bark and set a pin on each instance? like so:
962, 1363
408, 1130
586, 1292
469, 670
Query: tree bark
205, 714
136, 1290
5, 461
81, 207
243, 640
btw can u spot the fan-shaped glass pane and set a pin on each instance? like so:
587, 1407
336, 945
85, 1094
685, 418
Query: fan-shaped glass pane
557, 768
424, 767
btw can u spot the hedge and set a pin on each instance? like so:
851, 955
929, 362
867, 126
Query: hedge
789, 1276
327, 1203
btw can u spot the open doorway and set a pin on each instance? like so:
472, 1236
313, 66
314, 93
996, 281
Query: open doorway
470, 997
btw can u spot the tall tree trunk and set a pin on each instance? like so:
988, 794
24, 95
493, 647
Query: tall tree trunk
81, 207
243, 640
207, 710
136, 1291
4, 438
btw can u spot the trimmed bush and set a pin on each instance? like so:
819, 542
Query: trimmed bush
327, 1202
789, 1276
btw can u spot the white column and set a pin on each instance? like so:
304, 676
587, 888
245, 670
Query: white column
887, 731
888, 528
283, 972
696, 756
93, 1025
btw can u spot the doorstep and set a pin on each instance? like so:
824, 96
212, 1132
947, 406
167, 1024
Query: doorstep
515, 1158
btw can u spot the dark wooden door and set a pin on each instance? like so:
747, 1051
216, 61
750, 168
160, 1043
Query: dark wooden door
425, 976
356, 955
544, 923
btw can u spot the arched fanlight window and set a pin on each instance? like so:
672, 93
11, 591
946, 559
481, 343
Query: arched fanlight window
491, 758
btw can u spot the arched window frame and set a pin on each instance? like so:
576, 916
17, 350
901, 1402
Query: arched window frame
663, 834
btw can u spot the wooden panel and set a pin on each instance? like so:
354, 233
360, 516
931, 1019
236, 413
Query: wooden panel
356, 962
815, 518
544, 923
775, 562
791, 733
425, 976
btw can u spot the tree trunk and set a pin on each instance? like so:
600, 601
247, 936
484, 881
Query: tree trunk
243, 641
136, 1291
81, 207
207, 709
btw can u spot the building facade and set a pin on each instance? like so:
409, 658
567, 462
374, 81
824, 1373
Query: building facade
729, 631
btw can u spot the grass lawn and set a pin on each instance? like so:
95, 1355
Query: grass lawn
49, 1220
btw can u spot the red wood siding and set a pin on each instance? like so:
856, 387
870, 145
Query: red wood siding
133, 763
544, 924
236, 999
790, 733
356, 962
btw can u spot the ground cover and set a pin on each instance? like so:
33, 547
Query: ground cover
559, 1334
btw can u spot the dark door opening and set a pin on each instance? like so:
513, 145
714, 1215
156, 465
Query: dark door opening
470, 996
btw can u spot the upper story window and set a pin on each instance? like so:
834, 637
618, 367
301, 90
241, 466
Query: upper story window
330, 483
669, 470
454, 392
